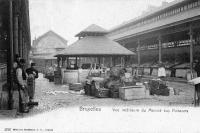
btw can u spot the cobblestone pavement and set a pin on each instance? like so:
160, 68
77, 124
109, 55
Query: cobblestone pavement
51, 97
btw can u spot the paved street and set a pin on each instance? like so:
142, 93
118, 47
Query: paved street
51, 97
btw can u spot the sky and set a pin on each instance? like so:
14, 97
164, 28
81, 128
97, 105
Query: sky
69, 17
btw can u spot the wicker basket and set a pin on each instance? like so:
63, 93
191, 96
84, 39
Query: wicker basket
102, 93
87, 89
114, 94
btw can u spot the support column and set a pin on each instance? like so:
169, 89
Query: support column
20, 39
16, 48
103, 61
99, 59
22, 46
159, 49
138, 52
63, 61
67, 62
191, 49
125, 61
114, 61
76, 62
58, 62
122, 61
10, 61
111, 61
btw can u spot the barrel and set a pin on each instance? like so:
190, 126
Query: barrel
4, 100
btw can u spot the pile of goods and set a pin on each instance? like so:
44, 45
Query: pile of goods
109, 87
95, 87
158, 87
113, 83
50, 74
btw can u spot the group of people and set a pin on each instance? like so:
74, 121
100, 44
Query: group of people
24, 82
162, 74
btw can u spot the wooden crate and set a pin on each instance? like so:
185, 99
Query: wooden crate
76, 87
102, 93
70, 76
58, 80
83, 75
132, 92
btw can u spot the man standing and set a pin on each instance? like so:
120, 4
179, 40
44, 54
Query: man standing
32, 75
161, 71
22, 86
197, 86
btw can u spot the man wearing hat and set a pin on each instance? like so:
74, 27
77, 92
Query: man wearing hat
197, 86
32, 75
21, 81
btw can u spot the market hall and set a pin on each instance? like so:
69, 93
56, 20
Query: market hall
168, 36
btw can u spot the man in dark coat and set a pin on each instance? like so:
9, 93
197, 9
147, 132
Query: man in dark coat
197, 68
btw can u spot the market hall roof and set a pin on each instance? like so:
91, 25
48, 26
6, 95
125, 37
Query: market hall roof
168, 15
155, 10
93, 30
95, 45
